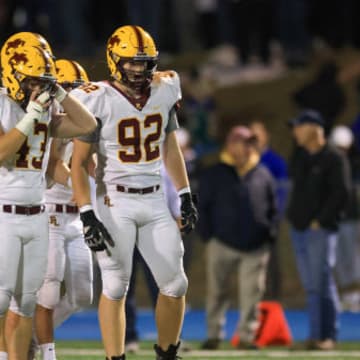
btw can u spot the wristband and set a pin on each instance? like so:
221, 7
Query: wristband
60, 94
85, 208
26, 124
184, 190
34, 107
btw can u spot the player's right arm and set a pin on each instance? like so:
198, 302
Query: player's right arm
95, 234
12, 141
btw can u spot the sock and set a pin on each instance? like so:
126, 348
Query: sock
3, 355
48, 351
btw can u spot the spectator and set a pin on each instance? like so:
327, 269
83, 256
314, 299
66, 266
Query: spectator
272, 160
323, 94
277, 166
320, 177
237, 219
348, 249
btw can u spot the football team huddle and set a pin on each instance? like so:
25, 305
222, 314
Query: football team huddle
58, 130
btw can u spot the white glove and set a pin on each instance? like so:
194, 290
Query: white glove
34, 111
60, 93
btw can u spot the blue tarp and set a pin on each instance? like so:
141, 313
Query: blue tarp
84, 325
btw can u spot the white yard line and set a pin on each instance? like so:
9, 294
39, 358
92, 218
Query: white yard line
226, 353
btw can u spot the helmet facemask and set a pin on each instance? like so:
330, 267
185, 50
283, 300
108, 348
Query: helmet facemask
29, 84
138, 81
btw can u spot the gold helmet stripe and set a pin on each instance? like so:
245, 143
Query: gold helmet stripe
139, 39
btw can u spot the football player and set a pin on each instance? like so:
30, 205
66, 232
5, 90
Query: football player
136, 113
28, 118
69, 259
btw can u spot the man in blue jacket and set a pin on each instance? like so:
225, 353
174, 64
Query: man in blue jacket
238, 220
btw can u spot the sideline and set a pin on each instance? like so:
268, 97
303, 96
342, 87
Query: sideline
226, 353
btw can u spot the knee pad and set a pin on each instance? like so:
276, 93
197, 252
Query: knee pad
114, 287
177, 287
24, 304
4, 301
49, 294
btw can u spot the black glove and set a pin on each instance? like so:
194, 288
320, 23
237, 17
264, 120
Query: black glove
189, 213
95, 233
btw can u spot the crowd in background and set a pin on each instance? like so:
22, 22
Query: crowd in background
79, 27
256, 29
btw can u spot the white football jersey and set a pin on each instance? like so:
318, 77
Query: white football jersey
129, 137
22, 177
58, 193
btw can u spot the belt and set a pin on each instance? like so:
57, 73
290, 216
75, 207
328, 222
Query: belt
68, 209
23, 210
146, 190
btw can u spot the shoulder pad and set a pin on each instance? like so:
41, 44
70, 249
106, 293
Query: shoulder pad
171, 80
168, 76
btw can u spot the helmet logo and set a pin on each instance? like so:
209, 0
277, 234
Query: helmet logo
114, 40
14, 45
18, 58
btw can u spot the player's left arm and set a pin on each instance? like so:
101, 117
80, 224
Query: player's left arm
174, 162
76, 119
175, 166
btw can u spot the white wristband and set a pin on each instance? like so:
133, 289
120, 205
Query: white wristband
26, 124
184, 190
60, 94
85, 208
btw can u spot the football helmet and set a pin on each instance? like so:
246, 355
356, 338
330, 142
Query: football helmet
70, 74
27, 64
131, 44
24, 38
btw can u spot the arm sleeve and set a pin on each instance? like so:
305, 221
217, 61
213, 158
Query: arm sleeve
94, 136
173, 123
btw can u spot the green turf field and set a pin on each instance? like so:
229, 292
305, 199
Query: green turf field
81, 350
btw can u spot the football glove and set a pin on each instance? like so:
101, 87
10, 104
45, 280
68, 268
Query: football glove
189, 213
96, 236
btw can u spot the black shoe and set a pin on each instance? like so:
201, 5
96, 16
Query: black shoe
169, 354
121, 357
242, 345
210, 344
